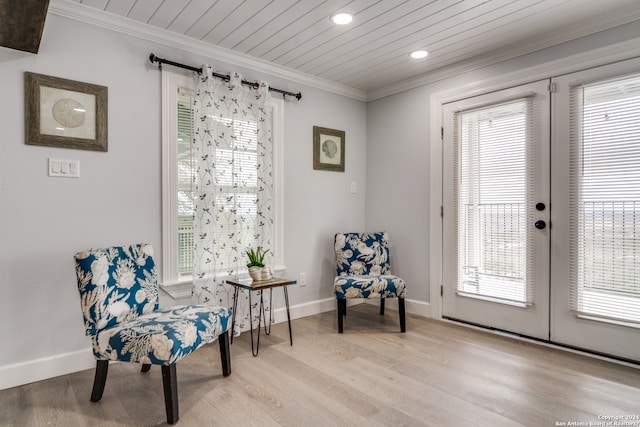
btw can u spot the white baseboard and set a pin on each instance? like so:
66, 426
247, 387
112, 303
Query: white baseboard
418, 308
47, 367
67, 363
304, 310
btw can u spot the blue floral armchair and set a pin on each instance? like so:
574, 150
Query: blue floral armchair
119, 298
363, 270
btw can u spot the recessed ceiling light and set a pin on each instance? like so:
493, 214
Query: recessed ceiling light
419, 54
342, 18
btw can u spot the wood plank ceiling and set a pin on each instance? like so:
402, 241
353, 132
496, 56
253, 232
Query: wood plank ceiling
373, 51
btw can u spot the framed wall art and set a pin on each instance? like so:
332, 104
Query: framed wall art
65, 113
328, 149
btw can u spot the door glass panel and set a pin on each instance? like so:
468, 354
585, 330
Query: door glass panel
491, 196
605, 200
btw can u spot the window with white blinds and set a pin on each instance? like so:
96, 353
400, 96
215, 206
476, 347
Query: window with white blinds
236, 171
605, 200
492, 174
185, 180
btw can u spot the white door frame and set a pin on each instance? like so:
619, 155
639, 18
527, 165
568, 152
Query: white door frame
593, 58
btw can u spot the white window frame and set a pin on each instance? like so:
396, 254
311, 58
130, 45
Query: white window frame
180, 285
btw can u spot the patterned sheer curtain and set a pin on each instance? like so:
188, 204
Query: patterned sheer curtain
233, 187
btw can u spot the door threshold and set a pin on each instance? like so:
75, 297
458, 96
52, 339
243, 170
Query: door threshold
547, 343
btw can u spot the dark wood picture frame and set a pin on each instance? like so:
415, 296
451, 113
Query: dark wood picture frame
65, 113
328, 149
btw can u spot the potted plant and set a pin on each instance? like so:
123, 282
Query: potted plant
256, 264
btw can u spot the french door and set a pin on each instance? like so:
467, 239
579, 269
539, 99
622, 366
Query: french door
496, 197
541, 196
595, 250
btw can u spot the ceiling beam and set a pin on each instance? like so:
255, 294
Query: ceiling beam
22, 23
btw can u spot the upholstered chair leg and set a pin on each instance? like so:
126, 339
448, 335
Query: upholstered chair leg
403, 323
145, 367
170, 384
225, 354
344, 307
381, 306
100, 379
340, 314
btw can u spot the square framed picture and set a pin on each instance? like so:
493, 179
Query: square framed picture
328, 149
65, 113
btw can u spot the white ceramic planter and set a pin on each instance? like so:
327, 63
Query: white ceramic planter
266, 273
255, 273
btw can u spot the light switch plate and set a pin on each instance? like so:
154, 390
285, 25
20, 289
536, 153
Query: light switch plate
64, 168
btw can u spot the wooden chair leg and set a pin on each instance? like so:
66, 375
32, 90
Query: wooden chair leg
403, 322
145, 367
225, 354
170, 385
341, 310
100, 379
381, 306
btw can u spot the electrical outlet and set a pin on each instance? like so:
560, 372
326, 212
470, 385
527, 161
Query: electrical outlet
303, 280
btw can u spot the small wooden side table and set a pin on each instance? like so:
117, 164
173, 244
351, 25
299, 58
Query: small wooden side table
249, 285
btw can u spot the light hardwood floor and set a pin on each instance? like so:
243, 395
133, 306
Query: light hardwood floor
437, 374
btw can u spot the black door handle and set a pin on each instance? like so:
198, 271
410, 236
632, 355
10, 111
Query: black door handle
540, 206
540, 224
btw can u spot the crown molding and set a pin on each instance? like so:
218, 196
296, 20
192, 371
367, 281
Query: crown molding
604, 55
89, 15
551, 39
143, 31
618, 52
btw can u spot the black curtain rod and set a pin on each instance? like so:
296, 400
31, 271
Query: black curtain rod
161, 61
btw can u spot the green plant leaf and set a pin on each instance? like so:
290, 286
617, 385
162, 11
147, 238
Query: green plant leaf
256, 257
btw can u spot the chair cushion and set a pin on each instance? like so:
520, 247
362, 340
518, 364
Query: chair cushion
116, 284
362, 253
369, 286
162, 337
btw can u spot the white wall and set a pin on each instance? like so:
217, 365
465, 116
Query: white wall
398, 185
401, 142
117, 199
320, 203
